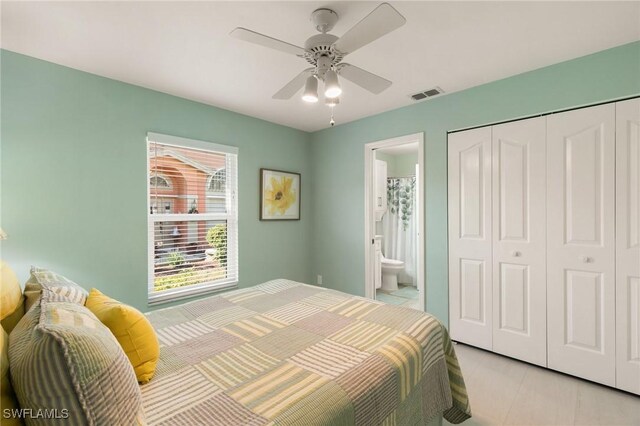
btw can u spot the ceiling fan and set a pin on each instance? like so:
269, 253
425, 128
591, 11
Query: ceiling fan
325, 52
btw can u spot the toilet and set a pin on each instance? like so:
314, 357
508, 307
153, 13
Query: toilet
390, 270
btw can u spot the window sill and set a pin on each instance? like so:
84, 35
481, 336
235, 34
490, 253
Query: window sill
158, 298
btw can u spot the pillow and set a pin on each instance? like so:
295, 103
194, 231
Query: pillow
7, 397
61, 288
63, 359
133, 331
11, 300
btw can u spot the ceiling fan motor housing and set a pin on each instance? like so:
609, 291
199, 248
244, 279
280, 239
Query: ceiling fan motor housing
319, 46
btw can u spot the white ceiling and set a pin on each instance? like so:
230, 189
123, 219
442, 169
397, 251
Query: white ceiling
184, 48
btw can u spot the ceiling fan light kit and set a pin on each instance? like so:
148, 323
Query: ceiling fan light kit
310, 93
325, 53
332, 87
331, 102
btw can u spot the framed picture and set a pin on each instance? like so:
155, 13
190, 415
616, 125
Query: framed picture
279, 195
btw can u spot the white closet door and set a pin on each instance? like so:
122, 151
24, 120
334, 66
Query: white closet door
519, 240
580, 242
628, 245
470, 237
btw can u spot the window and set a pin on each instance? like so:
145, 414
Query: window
216, 188
193, 219
160, 182
217, 182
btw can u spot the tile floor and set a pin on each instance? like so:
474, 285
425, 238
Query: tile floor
503, 391
406, 295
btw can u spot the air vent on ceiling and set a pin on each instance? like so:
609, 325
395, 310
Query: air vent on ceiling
427, 94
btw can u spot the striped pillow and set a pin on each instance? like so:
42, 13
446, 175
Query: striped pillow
64, 359
7, 396
61, 288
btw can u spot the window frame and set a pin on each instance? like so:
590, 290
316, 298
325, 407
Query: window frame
231, 218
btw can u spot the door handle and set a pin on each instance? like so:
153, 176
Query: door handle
587, 259
516, 253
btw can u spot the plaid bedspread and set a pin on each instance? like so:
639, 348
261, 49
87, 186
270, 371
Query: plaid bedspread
286, 353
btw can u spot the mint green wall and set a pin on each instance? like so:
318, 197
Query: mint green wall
384, 157
73, 189
405, 165
74, 177
389, 159
399, 165
338, 191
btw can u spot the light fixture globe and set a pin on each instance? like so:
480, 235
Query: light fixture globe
310, 90
332, 87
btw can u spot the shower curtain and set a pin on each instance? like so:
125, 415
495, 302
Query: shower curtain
399, 226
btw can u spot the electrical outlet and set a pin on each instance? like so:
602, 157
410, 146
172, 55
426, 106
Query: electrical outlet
319, 280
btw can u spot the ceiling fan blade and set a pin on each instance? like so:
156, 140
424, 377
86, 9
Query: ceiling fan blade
294, 85
371, 82
382, 20
266, 41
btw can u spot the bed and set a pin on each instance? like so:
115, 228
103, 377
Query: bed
287, 353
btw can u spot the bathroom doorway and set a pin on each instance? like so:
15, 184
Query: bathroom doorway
394, 221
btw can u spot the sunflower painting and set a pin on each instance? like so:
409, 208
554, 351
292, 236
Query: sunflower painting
279, 195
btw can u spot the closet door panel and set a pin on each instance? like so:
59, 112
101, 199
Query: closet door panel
628, 245
580, 243
519, 246
470, 265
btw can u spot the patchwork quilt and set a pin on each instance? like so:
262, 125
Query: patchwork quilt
286, 353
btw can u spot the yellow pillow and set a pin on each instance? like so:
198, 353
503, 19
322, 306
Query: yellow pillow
132, 329
7, 397
11, 305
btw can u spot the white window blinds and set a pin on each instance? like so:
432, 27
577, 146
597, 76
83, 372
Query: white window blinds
193, 220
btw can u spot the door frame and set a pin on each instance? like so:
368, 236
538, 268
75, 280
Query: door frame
369, 213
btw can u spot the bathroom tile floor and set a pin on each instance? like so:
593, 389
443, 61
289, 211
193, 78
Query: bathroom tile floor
406, 295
